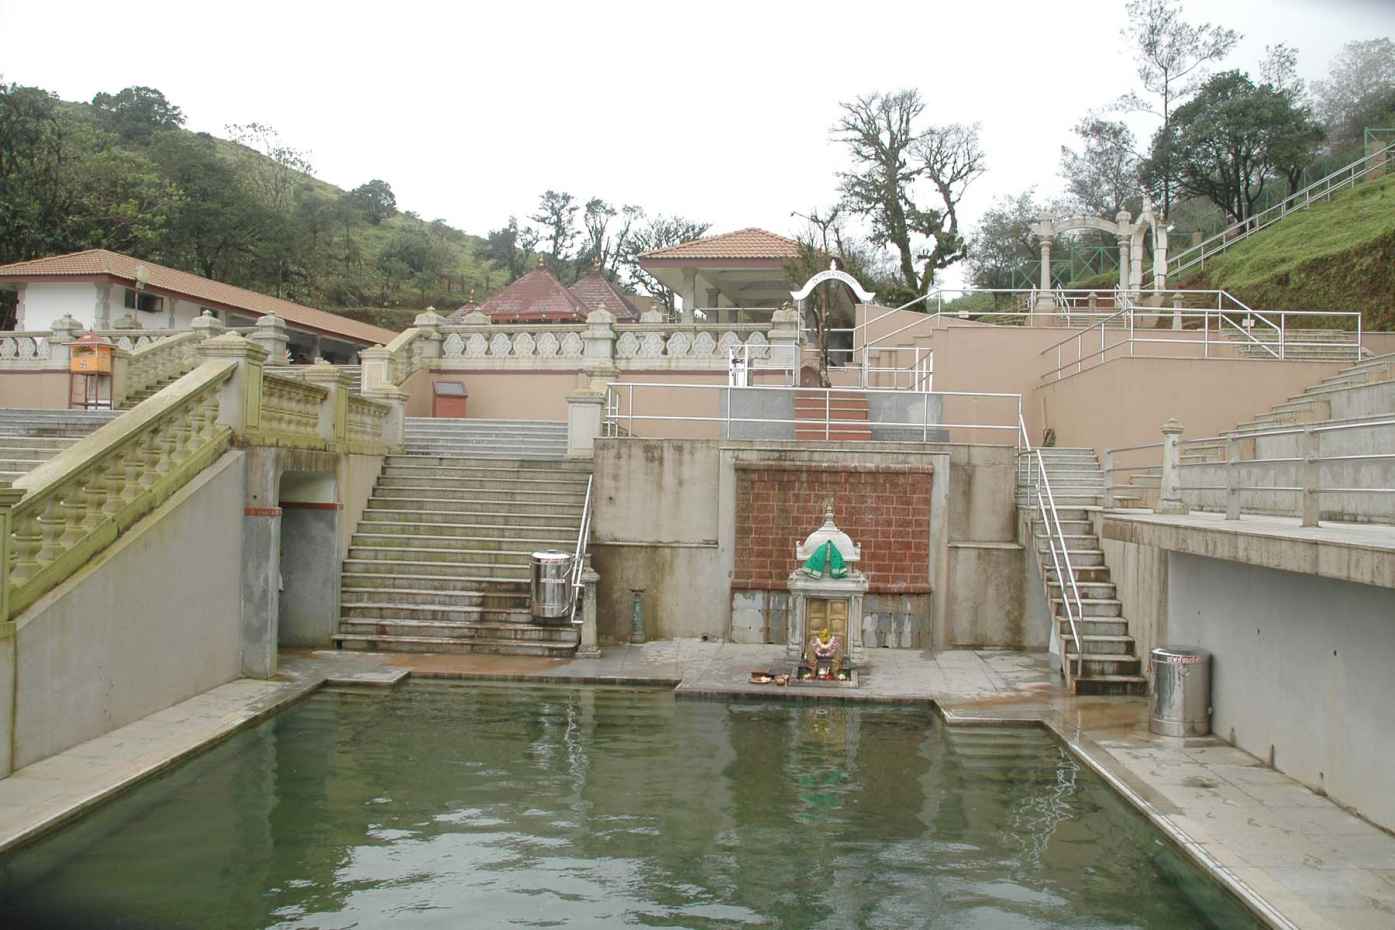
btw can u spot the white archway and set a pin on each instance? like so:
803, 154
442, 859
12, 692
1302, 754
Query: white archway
834, 273
1127, 231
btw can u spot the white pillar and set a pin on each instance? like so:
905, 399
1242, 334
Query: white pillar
1045, 264
1170, 496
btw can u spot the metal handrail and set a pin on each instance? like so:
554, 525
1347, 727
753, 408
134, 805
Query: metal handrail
1051, 520
583, 538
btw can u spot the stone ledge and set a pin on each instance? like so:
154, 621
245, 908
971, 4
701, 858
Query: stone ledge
1359, 553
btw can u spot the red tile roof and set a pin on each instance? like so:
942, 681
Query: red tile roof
742, 244
594, 289
196, 288
537, 297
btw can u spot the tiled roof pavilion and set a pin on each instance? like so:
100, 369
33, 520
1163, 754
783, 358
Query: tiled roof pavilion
538, 297
95, 264
745, 268
750, 244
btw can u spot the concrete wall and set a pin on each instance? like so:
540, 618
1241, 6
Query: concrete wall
1139, 574
43, 390
148, 623
665, 513
45, 303
1124, 402
1302, 672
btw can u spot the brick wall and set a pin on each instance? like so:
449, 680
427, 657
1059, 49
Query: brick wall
885, 509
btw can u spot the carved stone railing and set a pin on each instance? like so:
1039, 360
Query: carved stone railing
536, 343
77, 504
290, 412
24, 350
709, 345
133, 339
157, 362
364, 421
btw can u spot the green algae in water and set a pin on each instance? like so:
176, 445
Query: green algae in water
499, 806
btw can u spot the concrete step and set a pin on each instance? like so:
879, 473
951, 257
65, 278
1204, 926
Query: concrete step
1092, 606
552, 489
466, 574
547, 520
1119, 684
445, 644
488, 561
1101, 644
515, 630
428, 543
454, 507
408, 489
375, 576
1095, 590
376, 612
54, 444
487, 476
1093, 626
405, 597
1069, 527
531, 466
385, 529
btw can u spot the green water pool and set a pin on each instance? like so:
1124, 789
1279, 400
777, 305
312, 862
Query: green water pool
447, 806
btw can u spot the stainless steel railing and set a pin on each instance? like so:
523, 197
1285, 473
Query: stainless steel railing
1039, 490
583, 541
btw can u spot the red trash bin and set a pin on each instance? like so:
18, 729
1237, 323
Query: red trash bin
448, 399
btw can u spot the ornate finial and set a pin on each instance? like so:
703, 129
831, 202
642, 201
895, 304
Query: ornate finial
540, 262
833, 264
828, 512
472, 295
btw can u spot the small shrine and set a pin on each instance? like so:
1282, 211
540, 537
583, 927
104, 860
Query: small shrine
826, 594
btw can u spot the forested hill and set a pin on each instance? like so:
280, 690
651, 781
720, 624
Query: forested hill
121, 173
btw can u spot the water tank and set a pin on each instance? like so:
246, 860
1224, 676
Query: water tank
1181, 691
551, 592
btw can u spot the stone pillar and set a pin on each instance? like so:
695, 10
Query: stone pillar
240, 398
334, 411
1170, 496
585, 410
395, 424
589, 647
270, 333
689, 293
65, 331
120, 372
207, 326
1123, 225
101, 313
428, 325
598, 359
376, 365
1160, 258
1136, 262
784, 340
1177, 312
1312, 500
1046, 263
261, 562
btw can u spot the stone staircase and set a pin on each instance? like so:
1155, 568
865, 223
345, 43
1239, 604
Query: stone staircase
1316, 344
28, 438
522, 440
1105, 660
848, 415
439, 561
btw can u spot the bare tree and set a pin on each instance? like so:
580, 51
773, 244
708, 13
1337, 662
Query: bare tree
649, 235
605, 243
894, 162
556, 219
1361, 73
1172, 60
1102, 177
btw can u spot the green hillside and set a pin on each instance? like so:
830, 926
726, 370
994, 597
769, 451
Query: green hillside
1334, 256
120, 173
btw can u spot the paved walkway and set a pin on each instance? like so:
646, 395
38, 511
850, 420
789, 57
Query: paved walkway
1298, 859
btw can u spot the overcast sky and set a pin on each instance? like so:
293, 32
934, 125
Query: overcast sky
718, 111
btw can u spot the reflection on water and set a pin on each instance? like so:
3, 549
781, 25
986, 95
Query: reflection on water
485, 806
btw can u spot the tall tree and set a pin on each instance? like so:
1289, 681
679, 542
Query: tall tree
606, 234
1003, 241
894, 162
137, 113
375, 199
1233, 139
1361, 78
510, 247
653, 233
556, 220
1102, 177
1173, 57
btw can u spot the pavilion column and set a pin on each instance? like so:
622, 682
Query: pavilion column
689, 293
1046, 263
19, 306
1123, 219
101, 313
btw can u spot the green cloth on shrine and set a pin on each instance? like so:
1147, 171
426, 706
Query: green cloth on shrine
826, 556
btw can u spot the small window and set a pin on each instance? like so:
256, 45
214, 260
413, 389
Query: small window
149, 303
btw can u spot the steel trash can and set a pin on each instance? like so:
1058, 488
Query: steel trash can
550, 593
1181, 691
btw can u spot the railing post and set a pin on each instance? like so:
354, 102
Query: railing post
395, 423
207, 326
240, 397
589, 647
1311, 499
584, 407
375, 361
1170, 496
427, 345
1232, 478
270, 334
64, 331
334, 409
598, 358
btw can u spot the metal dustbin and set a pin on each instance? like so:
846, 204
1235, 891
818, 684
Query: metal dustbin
550, 593
1181, 691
